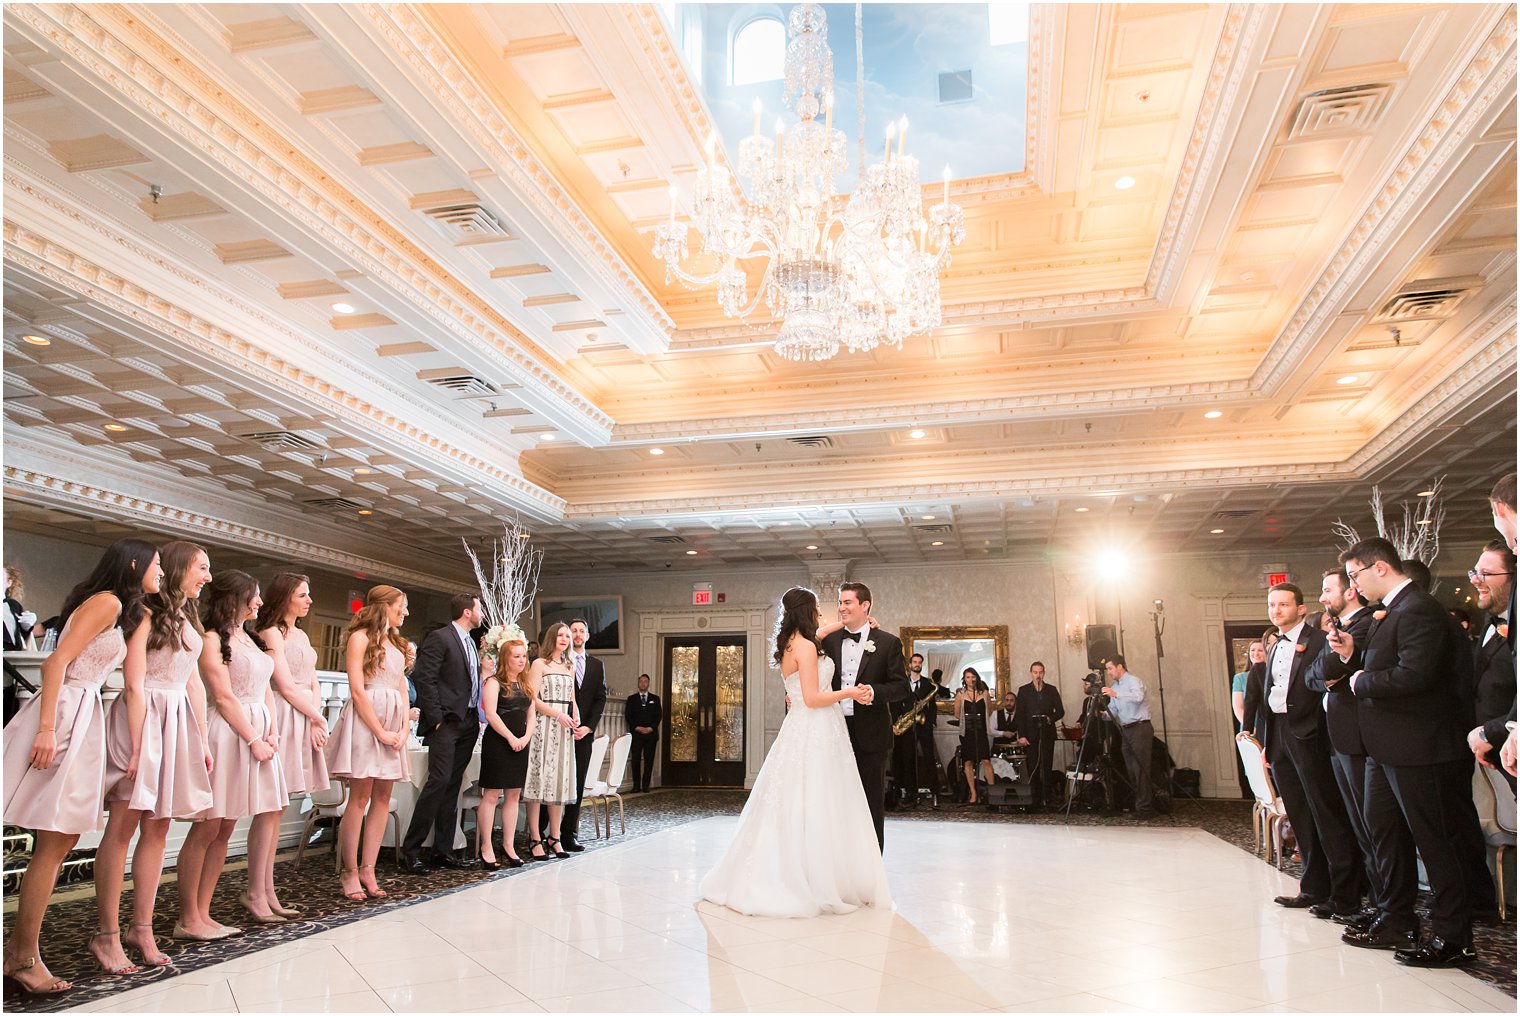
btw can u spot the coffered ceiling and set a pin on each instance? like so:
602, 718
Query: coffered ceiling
356, 281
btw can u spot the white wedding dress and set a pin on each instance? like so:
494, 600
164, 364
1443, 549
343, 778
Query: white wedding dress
806, 844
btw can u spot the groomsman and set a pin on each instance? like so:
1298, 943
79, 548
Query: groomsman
591, 699
643, 714
1494, 694
1298, 746
1414, 702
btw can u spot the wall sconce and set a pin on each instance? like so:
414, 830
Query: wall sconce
1074, 634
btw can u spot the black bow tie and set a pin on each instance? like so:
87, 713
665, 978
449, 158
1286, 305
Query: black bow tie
856, 637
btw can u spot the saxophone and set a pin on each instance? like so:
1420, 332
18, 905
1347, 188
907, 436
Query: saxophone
916, 714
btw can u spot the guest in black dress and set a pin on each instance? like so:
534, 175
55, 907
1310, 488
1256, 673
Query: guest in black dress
971, 705
508, 707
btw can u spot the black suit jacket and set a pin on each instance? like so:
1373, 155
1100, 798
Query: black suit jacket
887, 672
22, 630
1305, 717
1341, 711
443, 679
591, 696
1494, 665
907, 702
641, 715
1414, 696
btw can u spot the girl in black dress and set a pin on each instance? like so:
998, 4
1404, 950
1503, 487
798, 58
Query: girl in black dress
510, 721
971, 705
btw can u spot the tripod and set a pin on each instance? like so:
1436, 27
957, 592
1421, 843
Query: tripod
1102, 770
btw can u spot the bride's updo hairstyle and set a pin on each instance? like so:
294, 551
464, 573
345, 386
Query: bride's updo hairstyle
799, 615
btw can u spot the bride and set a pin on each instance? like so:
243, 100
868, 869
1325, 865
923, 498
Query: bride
806, 844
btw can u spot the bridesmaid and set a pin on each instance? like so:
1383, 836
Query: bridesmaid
368, 745
246, 778
299, 723
157, 762
510, 721
55, 747
551, 759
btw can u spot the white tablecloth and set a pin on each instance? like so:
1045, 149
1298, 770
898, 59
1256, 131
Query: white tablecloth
406, 792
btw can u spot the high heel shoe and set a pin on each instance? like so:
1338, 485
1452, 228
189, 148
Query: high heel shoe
358, 895
164, 960
536, 845
513, 862
126, 968
57, 986
270, 918
553, 843
376, 893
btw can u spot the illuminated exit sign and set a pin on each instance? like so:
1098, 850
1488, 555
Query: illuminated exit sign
701, 594
1276, 578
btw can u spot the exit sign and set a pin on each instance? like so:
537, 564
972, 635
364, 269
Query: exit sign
701, 594
1276, 578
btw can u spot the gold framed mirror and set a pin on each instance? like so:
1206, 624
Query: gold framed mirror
953, 649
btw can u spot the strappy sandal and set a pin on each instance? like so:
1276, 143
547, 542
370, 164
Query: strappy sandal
358, 895
374, 894
532, 846
163, 960
127, 968
553, 842
57, 986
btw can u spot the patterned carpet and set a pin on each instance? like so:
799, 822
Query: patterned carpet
312, 886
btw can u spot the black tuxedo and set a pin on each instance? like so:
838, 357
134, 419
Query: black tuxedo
643, 710
591, 700
1298, 745
1494, 665
1415, 703
18, 640
913, 750
870, 726
447, 678
1039, 711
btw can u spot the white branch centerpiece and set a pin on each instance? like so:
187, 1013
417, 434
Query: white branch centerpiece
1416, 536
508, 593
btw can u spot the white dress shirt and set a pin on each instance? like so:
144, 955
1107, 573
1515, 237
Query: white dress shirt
1280, 668
851, 652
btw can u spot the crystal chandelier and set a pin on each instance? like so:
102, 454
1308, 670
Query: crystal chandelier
860, 270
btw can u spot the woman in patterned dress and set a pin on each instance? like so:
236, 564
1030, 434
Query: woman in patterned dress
158, 764
55, 747
298, 718
368, 743
551, 757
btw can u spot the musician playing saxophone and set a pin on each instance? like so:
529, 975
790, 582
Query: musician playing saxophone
913, 749
1040, 710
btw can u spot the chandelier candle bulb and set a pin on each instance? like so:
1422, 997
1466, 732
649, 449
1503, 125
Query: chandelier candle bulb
757, 117
946, 196
891, 131
828, 119
674, 194
902, 137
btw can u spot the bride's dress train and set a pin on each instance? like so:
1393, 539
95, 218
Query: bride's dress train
806, 844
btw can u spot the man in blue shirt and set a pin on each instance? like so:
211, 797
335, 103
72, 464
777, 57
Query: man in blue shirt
1126, 704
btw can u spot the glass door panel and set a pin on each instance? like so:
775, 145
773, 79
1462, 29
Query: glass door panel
704, 735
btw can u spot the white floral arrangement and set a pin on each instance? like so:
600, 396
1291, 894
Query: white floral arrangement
498, 636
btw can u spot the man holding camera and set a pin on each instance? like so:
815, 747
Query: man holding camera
1128, 708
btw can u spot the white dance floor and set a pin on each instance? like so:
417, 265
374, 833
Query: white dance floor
1017, 918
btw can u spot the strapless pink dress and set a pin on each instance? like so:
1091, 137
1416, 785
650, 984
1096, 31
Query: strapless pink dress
241, 786
67, 796
305, 766
171, 781
352, 750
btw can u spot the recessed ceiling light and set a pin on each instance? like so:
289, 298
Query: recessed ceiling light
916, 434
927, 518
812, 546
546, 437
522, 536
361, 470
343, 308
37, 340
786, 523
691, 553
1216, 532
116, 427
365, 511
1426, 493
1124, 183
937, 543
1084, 509
1349, 379
656, 451
1423, 522
1213, 414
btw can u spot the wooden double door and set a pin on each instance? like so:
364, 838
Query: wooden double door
704, 714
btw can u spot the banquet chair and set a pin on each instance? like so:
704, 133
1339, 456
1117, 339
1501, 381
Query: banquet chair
606, 790
593, 776
1268, 813
1495, 802
331, 803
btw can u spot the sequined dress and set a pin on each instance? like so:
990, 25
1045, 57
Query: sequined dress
551, 753
806, 844
171, 780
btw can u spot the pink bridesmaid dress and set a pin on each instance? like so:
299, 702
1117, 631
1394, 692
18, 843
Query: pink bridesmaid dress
66, 797
241, 786
352, 750
305, 766
171, 781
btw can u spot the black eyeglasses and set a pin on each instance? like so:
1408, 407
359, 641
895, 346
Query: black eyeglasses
1474, 574
1352, 573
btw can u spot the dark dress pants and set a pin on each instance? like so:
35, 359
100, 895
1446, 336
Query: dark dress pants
1351, 778
1437, 803
1041, 755
642, 753
449, 747
1396, 878
1333, 834
1315, 880
872, 766
570, 827
1136, 738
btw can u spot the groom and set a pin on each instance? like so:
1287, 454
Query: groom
866, 655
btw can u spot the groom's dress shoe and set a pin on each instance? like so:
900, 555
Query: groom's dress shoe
571, 846
1437, 952
442, 859
1382, 935
411, 864
1303, 901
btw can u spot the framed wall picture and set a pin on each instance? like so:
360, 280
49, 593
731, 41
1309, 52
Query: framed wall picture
603, 616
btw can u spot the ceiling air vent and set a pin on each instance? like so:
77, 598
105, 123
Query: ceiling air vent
346, 504
1420, 304
457, 380
672, 538
811, 441
1237, 513
1354, 109
468, 221
955, 86
938, 527
282, 441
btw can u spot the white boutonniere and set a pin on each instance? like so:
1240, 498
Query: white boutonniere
868, 646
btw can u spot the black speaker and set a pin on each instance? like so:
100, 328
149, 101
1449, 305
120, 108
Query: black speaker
1102, 644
